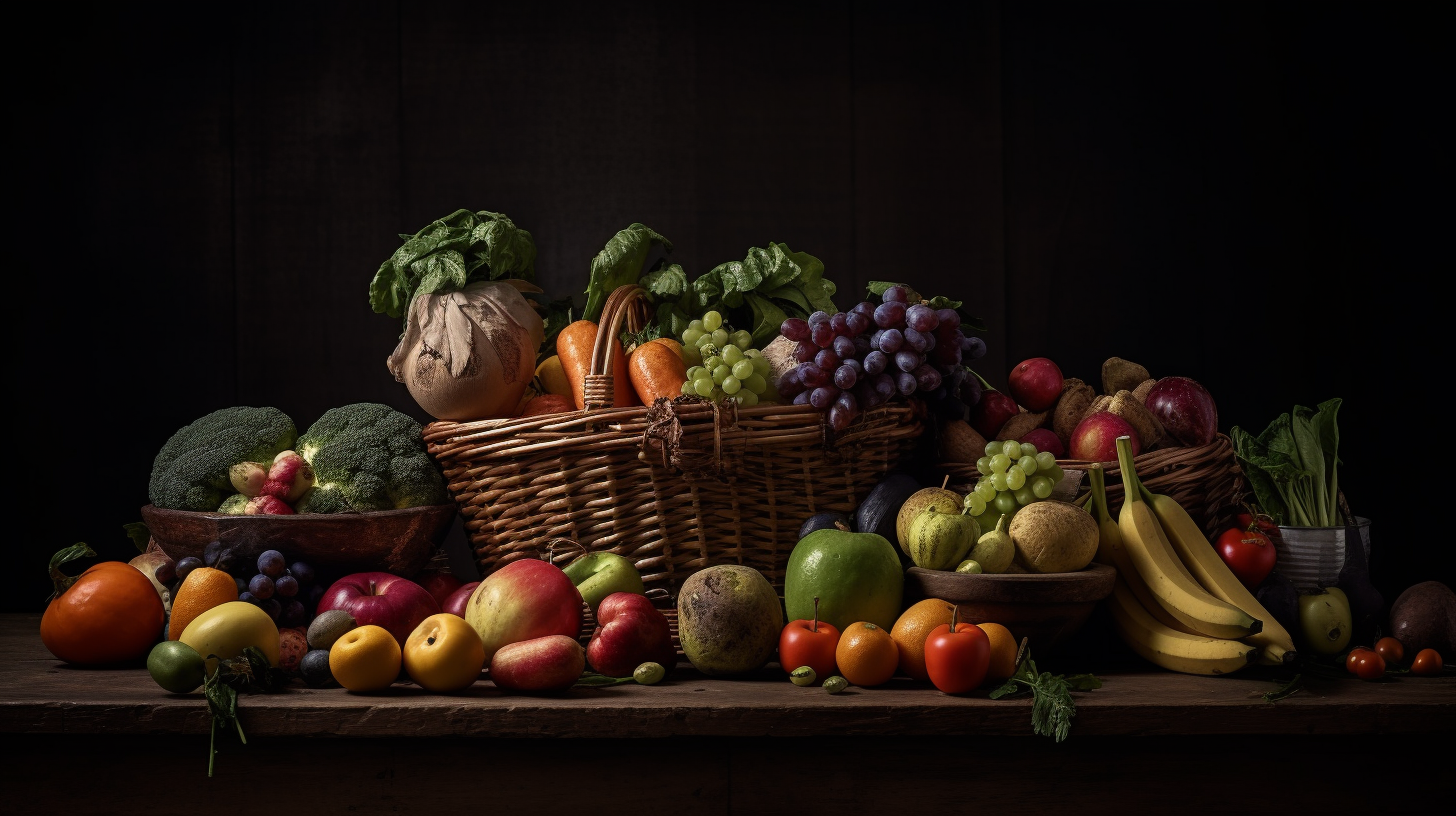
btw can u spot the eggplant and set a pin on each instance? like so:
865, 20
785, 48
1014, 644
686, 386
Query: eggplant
825, 521
1280, 596
876, 514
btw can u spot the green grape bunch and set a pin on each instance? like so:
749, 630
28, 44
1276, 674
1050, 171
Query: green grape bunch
1013, 475
722, 364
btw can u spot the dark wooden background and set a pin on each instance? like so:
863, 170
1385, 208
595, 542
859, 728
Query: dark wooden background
1249, 195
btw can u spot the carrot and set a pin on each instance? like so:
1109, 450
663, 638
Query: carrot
657, 370
574, 347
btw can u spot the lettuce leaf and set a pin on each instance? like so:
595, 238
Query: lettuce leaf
619, 263
450, 253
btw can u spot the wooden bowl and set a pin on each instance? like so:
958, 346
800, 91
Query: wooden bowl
1047, 608
397, 541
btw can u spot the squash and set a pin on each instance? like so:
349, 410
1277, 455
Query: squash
470, 353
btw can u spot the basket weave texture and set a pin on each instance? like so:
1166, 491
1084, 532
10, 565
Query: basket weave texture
676, 486
1206, 480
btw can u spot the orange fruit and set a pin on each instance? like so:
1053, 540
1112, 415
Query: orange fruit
1003, 652
365, 658
866, 654
201, 590
912, 628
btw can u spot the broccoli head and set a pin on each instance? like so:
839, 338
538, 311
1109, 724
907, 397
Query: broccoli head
368, 456
191, 470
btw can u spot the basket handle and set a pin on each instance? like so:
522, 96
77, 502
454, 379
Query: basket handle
623, 305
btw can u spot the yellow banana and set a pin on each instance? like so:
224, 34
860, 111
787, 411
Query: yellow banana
1214, 575
1166, 576
1111, 551
1169, 648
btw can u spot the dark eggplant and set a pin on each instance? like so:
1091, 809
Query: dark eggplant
825, 521
1366, 602
1280, 596
876, 514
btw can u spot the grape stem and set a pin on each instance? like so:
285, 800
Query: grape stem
984, 384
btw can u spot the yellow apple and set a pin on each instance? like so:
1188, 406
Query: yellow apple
444, 653
365, 658
226, 629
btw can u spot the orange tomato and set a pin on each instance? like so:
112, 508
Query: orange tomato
866, 654
109, 615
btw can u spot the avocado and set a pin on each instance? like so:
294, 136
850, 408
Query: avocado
1424, 617
825, 521
879, 510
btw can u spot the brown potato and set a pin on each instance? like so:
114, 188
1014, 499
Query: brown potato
1149, 429
1121, 375
1022, 424
959, 442
1099, 404
1076, 396
1141, 392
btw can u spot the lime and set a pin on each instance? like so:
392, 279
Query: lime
175, 666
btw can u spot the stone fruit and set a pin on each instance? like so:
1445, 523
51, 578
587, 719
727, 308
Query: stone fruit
1054, 536
1095, 437
176, 667
1185, 409
994, 550
729, 617
524, 600
223, 631
314, 667
328, 627
545, 664
946, 501
443, 653
366, 658
855, 576
939, 540
292, 646
1035, 383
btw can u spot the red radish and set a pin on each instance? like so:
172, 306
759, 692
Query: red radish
289, 477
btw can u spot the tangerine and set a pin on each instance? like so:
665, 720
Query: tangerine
912, 628
202, 589
1003, 652
866, 654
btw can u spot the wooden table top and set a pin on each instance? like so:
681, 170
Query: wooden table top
40, 695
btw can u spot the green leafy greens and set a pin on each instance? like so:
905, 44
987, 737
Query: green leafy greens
460, 248
1293, 465
248, 672
1052, 707
619, 263
770, 285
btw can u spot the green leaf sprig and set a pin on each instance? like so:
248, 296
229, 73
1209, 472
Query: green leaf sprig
450, 252
1052, 707
249, 672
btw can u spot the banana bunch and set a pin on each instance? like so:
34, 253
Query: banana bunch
1176, 602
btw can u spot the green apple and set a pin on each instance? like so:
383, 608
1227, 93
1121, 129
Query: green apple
599, 574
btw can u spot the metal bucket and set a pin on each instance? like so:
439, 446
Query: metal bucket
1312, 556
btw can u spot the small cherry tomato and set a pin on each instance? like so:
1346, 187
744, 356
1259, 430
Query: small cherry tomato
1368, 665
1427, 662
1353, 656
1391, 650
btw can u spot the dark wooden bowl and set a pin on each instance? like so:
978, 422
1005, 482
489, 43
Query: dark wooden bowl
397, 541
1047, 608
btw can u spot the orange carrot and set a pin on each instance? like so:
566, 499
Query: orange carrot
574, 347
657, 370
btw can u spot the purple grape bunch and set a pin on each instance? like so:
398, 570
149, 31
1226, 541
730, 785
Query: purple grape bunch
852, 361
288, 593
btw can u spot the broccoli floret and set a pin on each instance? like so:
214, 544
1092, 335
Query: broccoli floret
191, 470
368, 456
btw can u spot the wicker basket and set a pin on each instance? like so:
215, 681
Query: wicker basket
676, 486
1206, 480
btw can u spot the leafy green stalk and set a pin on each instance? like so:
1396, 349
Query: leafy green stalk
1293, 465
756, 294
619, 263
139, 534
1052, 706
250, 671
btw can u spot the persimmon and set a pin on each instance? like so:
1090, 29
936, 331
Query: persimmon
108, 614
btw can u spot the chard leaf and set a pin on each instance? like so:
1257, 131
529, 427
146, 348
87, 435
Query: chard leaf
793, 295
507, 249
665, 280
1250, 453
619, 263
766, 319
820, 294
1328, 433
496, 247
1306, 439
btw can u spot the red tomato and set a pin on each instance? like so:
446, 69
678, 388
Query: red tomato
1353, 656
110, 614
1367, 665
1249, 553
957, 658
801, 645
1390, 650
1427, 662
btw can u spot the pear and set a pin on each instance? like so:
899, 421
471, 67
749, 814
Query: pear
994, 550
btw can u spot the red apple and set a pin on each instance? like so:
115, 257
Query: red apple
1045, 440
439, 584
546, 664
380, 598
632, 632
523, 600
1185, 408
455, 604
1095, 437
988, 415
1035, 383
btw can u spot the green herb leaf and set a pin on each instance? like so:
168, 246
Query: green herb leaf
1009, 688
139, 534
619, 263
555, 316
435, 259
665, 280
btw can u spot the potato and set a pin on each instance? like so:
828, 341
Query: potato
1076, 396
1141, 392
1053, 536
1022, 424
1099, 404
1149, 429
959, 442
1121, 375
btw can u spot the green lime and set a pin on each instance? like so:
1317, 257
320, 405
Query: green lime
175, 666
